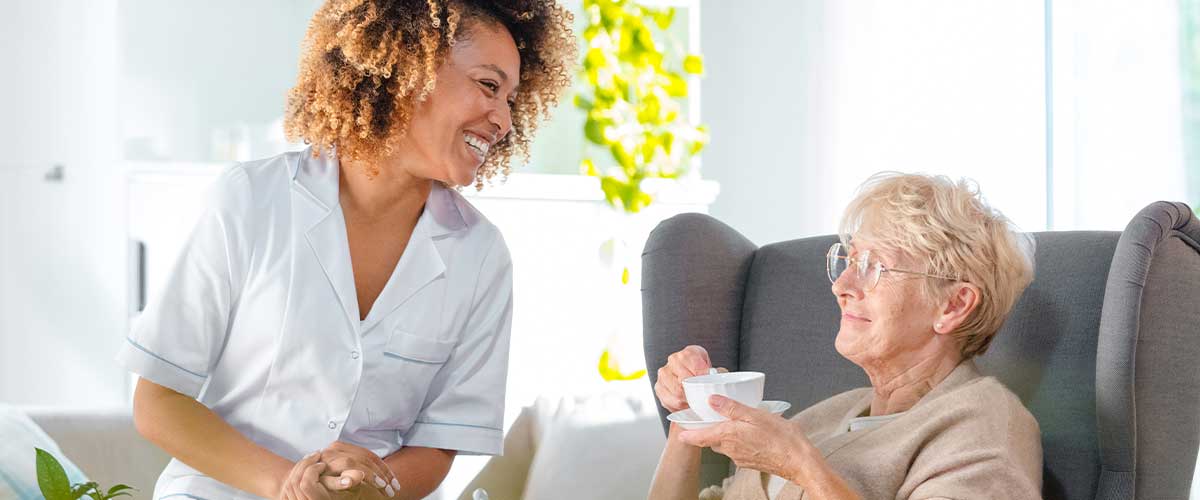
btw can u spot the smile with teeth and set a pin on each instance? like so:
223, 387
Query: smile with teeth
477, 145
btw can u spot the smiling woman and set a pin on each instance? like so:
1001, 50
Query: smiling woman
369, 66
338, 324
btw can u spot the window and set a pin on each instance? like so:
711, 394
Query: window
1189, 48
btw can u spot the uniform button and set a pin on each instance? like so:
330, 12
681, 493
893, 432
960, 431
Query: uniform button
354, 354
332, 424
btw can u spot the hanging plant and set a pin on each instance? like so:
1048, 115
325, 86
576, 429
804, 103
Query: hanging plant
632, 91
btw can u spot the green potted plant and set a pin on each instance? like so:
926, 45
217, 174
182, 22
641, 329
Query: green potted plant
53, 482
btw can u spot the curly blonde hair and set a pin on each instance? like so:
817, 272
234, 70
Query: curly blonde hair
945, 227
367, 63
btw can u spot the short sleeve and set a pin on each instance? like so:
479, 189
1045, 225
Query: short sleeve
177, 339
465, 409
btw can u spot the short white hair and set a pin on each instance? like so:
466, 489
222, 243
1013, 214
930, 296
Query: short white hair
947, 227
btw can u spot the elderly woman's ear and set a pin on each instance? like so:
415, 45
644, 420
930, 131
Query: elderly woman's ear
956, 307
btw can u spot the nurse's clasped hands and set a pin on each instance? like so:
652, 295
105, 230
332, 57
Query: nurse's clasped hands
344, 458
337, 473
303, 482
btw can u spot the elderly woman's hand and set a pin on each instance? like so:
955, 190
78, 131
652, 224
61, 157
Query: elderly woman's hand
754, 439
688, 362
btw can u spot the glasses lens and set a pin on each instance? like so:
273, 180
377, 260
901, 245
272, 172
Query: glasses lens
869, 271
836, 261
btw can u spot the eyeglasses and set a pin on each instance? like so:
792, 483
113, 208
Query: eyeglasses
866, 270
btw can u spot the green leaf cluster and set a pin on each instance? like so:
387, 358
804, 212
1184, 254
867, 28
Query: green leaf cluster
632, 91
53, 482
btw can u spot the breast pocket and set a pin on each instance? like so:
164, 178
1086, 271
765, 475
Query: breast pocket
400, 381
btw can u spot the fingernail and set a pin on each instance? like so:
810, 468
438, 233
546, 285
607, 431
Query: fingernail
390, 492
379, 482
396, 484
310, 455
345, 481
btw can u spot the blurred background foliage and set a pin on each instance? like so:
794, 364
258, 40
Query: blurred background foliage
633, 88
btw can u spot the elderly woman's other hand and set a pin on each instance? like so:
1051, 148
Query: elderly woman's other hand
754, 439
688, 362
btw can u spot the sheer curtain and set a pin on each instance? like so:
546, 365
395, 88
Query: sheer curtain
938, 86
1067, 112
1117, 140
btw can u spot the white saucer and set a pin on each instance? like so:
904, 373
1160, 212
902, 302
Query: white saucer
688, 419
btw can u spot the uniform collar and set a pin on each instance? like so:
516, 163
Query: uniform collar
318, 178
320, 218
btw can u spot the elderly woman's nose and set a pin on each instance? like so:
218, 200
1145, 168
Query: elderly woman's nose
845, 285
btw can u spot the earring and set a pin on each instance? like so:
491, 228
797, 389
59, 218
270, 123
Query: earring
937, 326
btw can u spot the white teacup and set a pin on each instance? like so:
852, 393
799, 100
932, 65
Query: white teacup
743, 387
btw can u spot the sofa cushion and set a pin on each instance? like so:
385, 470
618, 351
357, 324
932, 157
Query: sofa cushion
18, 468
600, 448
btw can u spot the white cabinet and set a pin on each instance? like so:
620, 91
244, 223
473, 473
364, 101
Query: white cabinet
62, 299
62, 249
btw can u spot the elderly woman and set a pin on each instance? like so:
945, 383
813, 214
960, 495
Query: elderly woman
924, 275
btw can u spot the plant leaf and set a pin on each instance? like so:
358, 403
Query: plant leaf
676, 85
52, 479
693, 64
610, 371
582, 102
593, 130
588, 167
623, 157
663, 18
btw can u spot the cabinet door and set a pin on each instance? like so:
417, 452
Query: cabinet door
62, 241
62, 294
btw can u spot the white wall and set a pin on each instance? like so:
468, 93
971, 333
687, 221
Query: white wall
192, 71
764, 110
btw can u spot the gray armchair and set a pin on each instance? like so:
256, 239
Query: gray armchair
1103, 347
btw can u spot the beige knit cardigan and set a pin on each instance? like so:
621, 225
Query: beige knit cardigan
968, 438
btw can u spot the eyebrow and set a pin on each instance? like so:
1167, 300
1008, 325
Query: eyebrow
493, 67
